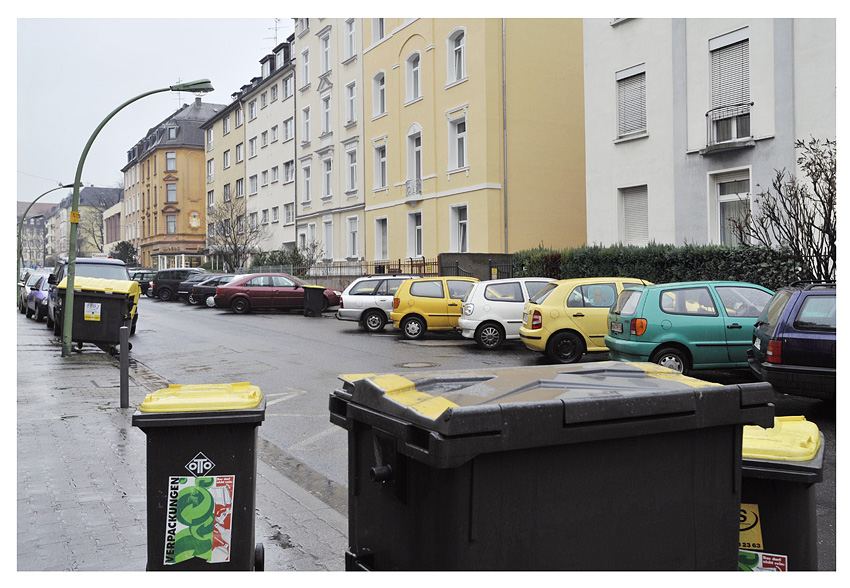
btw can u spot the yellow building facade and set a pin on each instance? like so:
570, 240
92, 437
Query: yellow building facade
474, 136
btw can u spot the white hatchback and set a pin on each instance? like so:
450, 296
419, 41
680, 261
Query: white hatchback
492, 310
369, 300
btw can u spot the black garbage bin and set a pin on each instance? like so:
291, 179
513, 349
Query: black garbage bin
778, 519
202, 476
594, 466
314, 300
101, 308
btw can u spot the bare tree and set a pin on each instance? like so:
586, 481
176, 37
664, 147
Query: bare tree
91, 228
233, 233
800, 215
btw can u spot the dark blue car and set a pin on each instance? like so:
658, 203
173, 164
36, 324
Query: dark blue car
794, 341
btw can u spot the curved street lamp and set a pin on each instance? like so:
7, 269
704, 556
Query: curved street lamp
19, 259
199, 86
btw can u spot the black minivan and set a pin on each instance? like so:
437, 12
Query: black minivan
165, 283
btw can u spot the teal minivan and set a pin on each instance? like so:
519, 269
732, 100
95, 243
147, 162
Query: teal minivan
686, 325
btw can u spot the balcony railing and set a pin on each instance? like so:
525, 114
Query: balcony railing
727, 125
413, 187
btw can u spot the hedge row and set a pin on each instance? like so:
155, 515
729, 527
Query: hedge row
771, 268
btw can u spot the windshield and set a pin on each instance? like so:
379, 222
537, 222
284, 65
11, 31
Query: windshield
107, 272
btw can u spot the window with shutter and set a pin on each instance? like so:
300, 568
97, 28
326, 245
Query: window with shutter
631, 102
635, 215
730, 86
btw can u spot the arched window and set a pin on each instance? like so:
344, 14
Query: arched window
379, 94
414, 77
456, 51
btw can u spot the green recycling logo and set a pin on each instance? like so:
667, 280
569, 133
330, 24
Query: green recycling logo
198, 520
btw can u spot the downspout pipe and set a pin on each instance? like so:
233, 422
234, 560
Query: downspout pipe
505, 134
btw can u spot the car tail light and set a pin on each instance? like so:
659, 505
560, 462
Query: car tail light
340, 302
638, 327
396, 302
774, 351
536, 320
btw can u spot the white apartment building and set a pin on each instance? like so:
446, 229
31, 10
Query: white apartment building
268, 104
688, 119
329, 126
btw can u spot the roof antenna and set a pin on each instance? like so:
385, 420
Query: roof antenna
275, 28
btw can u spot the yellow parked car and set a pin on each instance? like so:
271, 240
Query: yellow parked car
429, 304
570, 317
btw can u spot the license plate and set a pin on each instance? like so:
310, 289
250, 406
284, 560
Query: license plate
524, 317
616, 327
757, 343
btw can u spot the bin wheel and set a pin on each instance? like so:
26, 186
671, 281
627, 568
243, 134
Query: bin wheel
566, 347
259, 558
374, 321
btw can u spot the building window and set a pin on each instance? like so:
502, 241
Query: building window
350, 39
351, 248
326, 115
210, 140
457, 57
273, 92
460, 224
325, 48
733, 204
264, 139
288, 86
306, 194
457, 143
171, 192
351, 176
351, 103
327, 178
210, 171
252, 110
631, 101
729, 117
288, 213
288, 171
252, 147
226, 194
377, 29
240, 187
172, 132
381, 239
305, 67
274, 133
414, 161
240, 153
276, 213
171, 224
414, 234
264, 175
635, 215
252, 221
225, 125
379, 94
381, 166
328, 242
306, 127
239, 117
265, 219
240, 224
252, 185
170, 161
226, 159
211, 198
288, 129
275, 173
414, 89
264, 99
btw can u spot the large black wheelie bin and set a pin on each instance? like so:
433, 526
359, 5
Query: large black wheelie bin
314, 300
778, 520
101, 308
202, 476
593, 466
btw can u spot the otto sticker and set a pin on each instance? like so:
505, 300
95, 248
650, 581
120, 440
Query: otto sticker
198, 523
200, 465
91, 311
750, 561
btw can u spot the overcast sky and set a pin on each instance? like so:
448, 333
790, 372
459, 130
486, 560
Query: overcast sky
71, 73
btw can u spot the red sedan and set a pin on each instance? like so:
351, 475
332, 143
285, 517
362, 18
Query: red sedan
267, 291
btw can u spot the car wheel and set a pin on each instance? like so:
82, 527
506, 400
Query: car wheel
28, 312
325, 304
566, 347
57, 325
38, 316
191, 299
374, 320
490, 336
22, 307
49, 321
240, 306
672, 358
210, 301
165, 294
413, 327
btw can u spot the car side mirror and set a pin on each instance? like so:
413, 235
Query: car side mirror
51, 279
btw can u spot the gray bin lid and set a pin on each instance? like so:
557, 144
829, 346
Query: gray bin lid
576, 395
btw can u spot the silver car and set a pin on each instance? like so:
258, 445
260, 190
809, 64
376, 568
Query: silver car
369, 300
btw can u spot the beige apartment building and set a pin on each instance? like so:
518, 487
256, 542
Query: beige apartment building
473, 136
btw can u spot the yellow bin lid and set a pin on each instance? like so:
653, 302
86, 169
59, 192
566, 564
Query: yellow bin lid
792, 438
203, 397
130, 287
